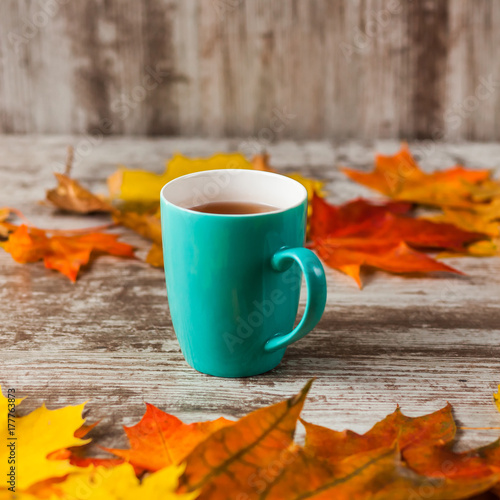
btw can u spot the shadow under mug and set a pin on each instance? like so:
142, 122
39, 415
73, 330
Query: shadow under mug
233, 280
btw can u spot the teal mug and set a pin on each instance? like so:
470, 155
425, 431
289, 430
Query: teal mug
233, 280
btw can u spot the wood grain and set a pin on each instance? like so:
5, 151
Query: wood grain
339, 68
108, 338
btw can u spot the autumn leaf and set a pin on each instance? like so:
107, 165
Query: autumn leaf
496, 398
335, 446
261, 162
229, 461
38, 434
160, 439
71, 196
144, 187
155, 255
439, 460
399, 177
313, 186
148, 225
118, 483
360, 233
65, 254
4, 215
375, 474
6, 227
469, 221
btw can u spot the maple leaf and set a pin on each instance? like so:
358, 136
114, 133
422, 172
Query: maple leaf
71, 196
400, 178
118, 483
38, 434
160, 439
148, 225
144, 187
375, 474
439, 460
361, 233
496, 398
65, 254
313, 186
335, 446
469, 221
231, 459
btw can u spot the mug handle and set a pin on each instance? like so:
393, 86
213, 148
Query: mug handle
316, 293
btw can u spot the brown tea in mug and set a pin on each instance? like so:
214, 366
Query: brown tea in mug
233, 208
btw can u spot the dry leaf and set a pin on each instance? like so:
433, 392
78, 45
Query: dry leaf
376, 474
160, 439
148, 225
400, 178
155, 256
230, 460
38, 434
361, 233
71, 196
65, 254
335, 446
118, 483
144, 187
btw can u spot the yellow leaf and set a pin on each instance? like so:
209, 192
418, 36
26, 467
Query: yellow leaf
147, 225
468, 220
38, 434
143, 186
496, 397
312, 185
155, 255
484, 248
121, 483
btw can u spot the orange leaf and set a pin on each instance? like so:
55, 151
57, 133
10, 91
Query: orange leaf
335, 446
440, 460
376, 474
160, 439
229, 461
65, 254
361, 233
71, 196
400, 177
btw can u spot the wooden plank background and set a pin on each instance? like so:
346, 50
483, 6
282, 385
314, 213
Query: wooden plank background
108, 338
330, 69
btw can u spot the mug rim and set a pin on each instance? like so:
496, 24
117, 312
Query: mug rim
182, 178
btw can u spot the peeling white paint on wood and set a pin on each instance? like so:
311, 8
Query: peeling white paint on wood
108, 338
343, 68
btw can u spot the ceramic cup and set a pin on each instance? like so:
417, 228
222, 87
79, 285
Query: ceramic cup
233, 281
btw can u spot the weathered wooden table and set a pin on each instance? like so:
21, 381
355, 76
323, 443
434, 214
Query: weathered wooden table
108, 338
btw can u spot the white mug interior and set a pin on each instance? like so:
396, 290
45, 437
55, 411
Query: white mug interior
234, 185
